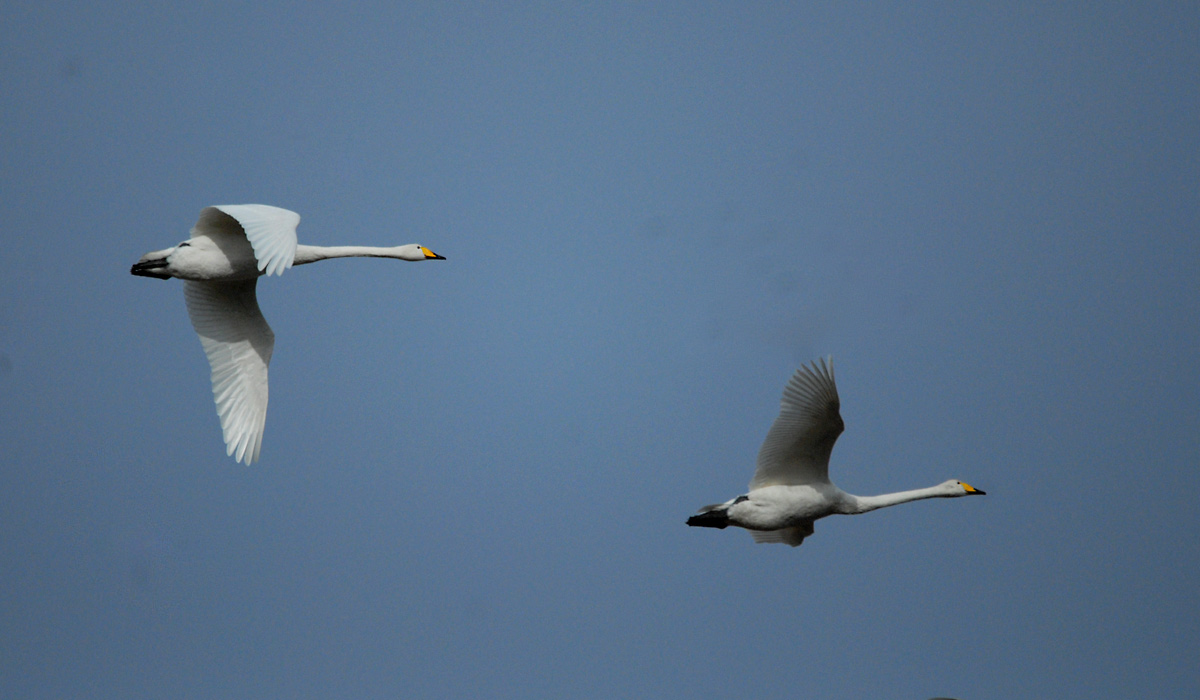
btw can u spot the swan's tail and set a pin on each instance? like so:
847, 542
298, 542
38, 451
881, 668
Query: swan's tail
711, 516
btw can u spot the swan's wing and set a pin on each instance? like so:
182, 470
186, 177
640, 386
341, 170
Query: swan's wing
270, 230
793, 536
797, 447
238, 343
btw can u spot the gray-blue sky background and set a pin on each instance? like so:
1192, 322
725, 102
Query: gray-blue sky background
475, 473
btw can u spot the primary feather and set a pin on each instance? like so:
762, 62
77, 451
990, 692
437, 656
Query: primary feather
797, 447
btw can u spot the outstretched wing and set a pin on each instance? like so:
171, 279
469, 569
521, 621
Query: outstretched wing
270, 230
796, 450
238, 343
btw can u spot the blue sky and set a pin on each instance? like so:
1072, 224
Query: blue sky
476, 473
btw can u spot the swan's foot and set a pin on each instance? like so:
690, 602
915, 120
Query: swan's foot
147, 268
710, 518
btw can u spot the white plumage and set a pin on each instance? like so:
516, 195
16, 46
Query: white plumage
230, 247
791, 489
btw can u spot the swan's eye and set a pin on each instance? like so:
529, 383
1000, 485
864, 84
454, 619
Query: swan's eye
184, 245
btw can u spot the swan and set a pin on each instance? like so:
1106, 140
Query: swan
231, 245
791, 488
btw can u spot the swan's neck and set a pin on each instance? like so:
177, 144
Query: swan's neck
312, 253
864, 504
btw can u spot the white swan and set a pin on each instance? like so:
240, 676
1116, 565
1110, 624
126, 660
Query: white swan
791, 488
231, 246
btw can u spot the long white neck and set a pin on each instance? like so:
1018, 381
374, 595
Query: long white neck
311, 253
864, 504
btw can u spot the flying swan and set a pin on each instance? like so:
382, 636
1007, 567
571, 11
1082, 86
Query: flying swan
791, 488
231, 246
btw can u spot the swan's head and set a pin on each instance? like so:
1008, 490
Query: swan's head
955, 488
416, 252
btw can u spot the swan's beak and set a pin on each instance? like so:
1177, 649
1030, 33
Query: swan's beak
972, 491
430, 255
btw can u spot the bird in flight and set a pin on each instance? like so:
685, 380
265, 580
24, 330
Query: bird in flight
791, 488
231, 246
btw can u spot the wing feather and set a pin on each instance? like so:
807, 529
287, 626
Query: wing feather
270, 230
238, 343
793, 536
797, 447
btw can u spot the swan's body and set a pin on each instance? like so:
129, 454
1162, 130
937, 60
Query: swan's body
791, 488
231, 246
